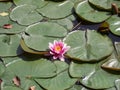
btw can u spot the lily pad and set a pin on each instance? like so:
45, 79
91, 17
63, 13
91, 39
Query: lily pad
39, 68
9, 45
40, 34
88, 45
56, 10
11, 88
25, 14
38, 3
114, 24
5, 6
61, 81
65, 23
113, 63
92, 76
2, 68
88, 13
14, 27
26, 84
105, 4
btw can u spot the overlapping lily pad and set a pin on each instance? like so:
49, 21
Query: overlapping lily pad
88, 45
25, 14
2, 68
56, 10
60, 82
91, 14
40, 34
10, 45
105, 4
38, 3
92, 76
113, 63
14, 27
114, 24
32, 69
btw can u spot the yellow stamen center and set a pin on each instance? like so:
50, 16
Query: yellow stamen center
57, 48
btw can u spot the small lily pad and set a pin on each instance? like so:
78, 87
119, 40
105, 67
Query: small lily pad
114, 24
88, 13
56, 10
10, 45
25, 14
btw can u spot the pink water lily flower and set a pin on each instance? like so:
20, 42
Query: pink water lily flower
58, 49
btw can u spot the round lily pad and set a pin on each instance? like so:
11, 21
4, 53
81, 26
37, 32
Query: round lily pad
9, 45
114, 24
56, 10
13, 27
105, 4
40, 34
25, 14
88, 45
88, 13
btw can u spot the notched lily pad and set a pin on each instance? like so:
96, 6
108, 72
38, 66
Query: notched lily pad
10, 45
40, 34
88, 45
56, 10
25, 14
88, 13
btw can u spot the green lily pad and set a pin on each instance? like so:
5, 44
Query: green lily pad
26, 84
65, 23
40, 34
61, 81
25, 15
114, 24
15, 28
105, 4
31, 69
5, 6
38, 3
88, 13
9, 45
92, 76
113, 63
56, 10
117, 84
88, 45
11, 88
2, 68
